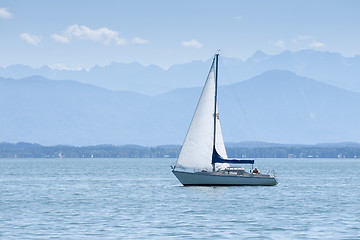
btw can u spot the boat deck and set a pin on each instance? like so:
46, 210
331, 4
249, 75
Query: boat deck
236, 172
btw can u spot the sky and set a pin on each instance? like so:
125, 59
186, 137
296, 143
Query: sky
79, 34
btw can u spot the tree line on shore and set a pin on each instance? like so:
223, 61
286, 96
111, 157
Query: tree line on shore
29, 150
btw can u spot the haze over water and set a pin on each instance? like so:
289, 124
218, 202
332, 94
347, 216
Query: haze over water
140, 198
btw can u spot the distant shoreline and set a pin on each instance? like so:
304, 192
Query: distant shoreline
234, 150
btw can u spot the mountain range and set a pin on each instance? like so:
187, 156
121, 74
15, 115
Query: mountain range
327, 67
275, 106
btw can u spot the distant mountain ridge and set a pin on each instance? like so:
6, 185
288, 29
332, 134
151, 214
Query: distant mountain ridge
327, 67
257, 144
275, 106
248, 144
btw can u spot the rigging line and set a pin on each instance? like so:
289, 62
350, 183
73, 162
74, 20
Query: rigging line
228, 77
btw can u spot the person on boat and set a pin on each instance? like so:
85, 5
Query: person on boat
256, 171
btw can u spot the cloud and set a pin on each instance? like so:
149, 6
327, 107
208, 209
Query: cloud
192, 43
31, 39
60, 66
103, 35
137, 40
5, 14
280, 44
315, 44
60, 38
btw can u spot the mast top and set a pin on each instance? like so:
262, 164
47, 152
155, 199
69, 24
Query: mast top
216, 63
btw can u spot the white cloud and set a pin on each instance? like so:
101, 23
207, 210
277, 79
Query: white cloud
280, 44
192, 43
31, 39
315, 44
60, 38
137, 40
60, 66
5, 14
103, 35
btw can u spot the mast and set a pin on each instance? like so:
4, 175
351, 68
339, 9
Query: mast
215, 104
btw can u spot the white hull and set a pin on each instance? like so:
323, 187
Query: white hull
211, 179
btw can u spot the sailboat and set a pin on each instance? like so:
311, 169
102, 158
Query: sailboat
203, 160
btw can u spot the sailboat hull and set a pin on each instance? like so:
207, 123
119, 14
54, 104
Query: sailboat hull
213, 179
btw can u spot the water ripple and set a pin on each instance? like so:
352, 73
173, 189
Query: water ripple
140, 198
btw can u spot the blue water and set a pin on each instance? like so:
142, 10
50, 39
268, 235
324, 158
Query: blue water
140, 198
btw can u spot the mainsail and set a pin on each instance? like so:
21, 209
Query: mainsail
197, 150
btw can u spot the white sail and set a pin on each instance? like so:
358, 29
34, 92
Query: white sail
196, 152
219, 141
220, 146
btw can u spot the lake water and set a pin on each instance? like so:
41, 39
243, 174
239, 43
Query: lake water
140, 198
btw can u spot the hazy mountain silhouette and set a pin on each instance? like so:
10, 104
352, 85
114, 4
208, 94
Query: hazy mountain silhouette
327, 67
276, 106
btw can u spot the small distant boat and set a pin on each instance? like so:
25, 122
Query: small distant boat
203, 160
